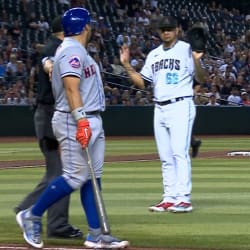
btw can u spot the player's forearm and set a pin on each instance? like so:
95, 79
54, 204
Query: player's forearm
134, 76
74, 99
200, 72
76, 105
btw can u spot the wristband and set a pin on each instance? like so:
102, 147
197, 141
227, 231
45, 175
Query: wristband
78, 113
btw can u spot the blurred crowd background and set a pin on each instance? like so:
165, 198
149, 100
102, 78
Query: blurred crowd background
25, 27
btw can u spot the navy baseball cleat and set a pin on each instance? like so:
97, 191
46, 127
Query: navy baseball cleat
69, 232
31, 226
104, 242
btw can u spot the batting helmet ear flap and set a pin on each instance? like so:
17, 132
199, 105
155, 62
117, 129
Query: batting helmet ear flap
74, 20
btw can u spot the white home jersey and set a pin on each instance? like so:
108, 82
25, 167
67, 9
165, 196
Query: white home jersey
170, 71
72, 59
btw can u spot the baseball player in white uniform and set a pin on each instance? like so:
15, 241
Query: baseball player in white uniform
171, 68
77, 124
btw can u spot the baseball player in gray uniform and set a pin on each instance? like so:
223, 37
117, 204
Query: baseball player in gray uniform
57, 215
77, 125
170, 68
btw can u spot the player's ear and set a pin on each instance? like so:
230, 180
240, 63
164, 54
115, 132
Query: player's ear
178, 30
159, 32
88, 27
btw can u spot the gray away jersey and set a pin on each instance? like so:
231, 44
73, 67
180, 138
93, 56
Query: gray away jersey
71, 58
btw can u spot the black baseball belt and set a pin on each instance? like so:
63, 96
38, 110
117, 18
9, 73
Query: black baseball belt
173, 100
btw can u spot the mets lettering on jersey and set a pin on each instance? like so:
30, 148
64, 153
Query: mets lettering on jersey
73, 60
89, 71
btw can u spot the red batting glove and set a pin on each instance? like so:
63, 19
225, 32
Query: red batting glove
83, 133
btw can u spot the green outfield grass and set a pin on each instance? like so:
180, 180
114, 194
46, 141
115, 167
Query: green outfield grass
221, 197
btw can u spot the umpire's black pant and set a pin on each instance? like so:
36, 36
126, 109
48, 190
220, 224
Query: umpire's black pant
57, 216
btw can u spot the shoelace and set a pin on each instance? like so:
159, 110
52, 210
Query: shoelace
108, 239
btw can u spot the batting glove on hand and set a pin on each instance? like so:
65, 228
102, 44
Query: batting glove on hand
83, 133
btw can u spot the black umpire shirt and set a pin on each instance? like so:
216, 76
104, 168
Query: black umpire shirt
44, 90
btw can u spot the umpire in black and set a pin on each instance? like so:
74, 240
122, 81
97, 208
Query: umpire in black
57, 220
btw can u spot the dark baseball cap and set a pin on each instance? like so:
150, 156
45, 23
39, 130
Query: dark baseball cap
56, 25
167, 22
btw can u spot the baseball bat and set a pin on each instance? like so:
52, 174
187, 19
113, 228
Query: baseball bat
98, 198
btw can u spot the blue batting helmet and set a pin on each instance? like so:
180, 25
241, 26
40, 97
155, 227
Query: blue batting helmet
74, 20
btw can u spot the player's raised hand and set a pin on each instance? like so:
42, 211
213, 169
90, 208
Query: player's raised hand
83, 133
124, 54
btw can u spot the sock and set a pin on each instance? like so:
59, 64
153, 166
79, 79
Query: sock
88, 203
56, 190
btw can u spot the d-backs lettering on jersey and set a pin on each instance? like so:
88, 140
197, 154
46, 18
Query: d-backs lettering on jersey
170, 71
167, 63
